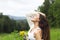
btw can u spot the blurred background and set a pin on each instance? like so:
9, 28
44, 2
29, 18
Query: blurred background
13, 19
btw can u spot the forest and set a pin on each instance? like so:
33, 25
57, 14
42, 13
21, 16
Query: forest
8, 25
52, 10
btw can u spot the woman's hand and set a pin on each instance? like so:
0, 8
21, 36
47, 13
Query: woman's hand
38, 35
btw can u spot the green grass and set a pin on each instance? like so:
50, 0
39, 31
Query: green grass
54, 33
12, 36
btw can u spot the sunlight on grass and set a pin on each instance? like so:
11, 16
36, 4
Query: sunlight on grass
55, 34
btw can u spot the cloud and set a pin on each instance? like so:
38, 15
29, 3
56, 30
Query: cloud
19, 7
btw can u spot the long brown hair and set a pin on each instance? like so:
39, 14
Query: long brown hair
43, 24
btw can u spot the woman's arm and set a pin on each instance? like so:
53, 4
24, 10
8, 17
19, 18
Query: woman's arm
38, 35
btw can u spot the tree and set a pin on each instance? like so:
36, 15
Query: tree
55, 11
45, 7
1, 22
52, 9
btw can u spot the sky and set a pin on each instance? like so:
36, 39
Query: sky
19, 7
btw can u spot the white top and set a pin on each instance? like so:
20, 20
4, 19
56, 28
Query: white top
31, 34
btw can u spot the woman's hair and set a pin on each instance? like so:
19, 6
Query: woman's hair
43, 24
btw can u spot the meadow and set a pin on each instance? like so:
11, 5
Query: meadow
54, 35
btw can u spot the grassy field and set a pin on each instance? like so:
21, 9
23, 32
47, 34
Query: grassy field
55, 35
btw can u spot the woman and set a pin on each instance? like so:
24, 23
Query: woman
40, 31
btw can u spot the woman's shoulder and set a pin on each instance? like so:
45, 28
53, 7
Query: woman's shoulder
38, 30
38, 33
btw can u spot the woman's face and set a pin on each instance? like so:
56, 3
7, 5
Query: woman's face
35, 17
